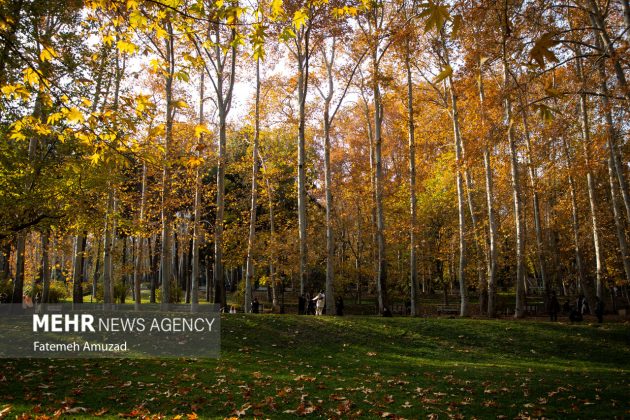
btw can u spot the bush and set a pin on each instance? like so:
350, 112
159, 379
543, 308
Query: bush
6, 290
57, 292
177, 294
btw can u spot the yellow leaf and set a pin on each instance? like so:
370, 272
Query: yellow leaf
17, 135
42, 130
200, 129
180, 104
299, 19
446, 72
160, 32
74, 115
47, 54
276, 8
53, 118
124, 46
8, 90
31, 77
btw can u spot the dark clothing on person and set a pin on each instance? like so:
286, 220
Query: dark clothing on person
311, 307
599, 310
387, 313
575, 316
301, 305
566, 308
339, 306
554, 308
255, 306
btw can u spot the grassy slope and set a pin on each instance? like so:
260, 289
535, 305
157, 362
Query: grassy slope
351, 366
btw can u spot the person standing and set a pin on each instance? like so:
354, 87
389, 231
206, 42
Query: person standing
339, 306
320, 301
301, 305
599, 309
255, 306
554, 307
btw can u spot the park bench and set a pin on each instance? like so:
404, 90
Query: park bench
448, 309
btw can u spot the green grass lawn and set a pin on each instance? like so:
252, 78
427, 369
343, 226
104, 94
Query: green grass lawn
276, 366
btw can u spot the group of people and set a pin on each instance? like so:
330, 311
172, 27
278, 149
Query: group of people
577, 312
317, 304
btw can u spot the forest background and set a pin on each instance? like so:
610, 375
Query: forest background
385, 148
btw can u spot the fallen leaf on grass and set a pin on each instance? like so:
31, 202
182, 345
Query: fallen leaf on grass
5, 411
76, 410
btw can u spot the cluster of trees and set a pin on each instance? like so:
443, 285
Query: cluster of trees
389, 147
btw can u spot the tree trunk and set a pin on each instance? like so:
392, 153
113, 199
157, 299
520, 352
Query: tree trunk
197, 232
139, 248
381, 285
302, 45
413, 269
534, 185
606, 45
45, 266
586, 143
77, 269
107, 249
519, 310
575, 219
166, 270
611, 134
249, 272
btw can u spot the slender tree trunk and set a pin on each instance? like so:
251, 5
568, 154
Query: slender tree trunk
413, 269
374, 226
249, 272
612, 179
107, 249
534, 185
519, 310
197, 232
491, 255
272, 235
139, 243
45, 266
166, 270
574, 216
463, 291
606, 45
77, 269
224, 98
330, 239
302, 45
590, 181
381, 285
